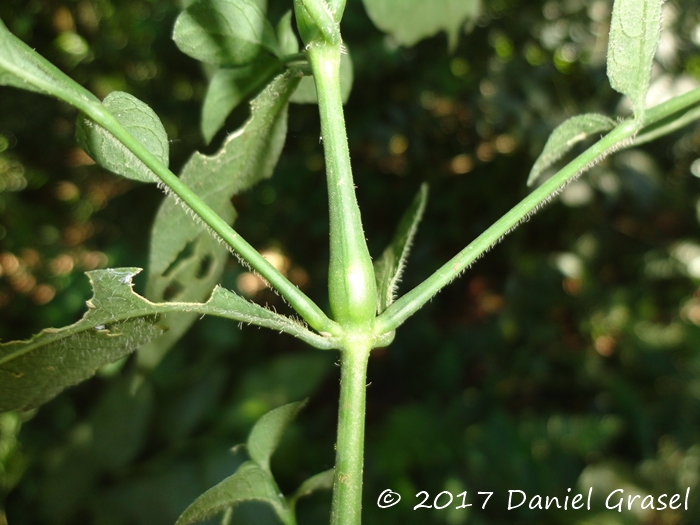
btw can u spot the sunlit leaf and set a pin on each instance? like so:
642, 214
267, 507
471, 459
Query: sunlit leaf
389, 266
565, 137
321, 481
306, 92
225, 32
229, 87
247, 156
634, 37
267, 432
117, 322
410, 21
22, 67
109, 152
249, 483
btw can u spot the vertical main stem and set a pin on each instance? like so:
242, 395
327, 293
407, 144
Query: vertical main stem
347, 487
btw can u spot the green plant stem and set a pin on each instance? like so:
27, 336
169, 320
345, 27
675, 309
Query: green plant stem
346, 508
660, 118
352, 289
295, 297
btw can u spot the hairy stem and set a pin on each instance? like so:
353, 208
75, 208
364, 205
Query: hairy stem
352, 289
346, 508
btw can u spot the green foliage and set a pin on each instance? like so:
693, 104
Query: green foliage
565, 137
139, 120
389, 266
634, 37
410, 21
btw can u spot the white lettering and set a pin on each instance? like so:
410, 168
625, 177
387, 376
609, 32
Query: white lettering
510, 496
618, 505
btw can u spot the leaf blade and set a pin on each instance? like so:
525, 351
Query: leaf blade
249, 483
141, 122
566, 136
410, 21
224, 32
634, 36
251, 154
389, 266
320, 481
267, 432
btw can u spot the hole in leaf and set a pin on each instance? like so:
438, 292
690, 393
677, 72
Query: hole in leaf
185, 254
205, 266
174, 289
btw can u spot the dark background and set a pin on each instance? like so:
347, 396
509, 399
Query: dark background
567, 356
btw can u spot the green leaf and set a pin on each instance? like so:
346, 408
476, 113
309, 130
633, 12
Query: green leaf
321, 481
410, 21
306, 92
229, 87
267, 432
117, 323
287, 39
246, 157
225, 32
109, 152
389, 266
634, 37
565, 137
249, 483
22, 67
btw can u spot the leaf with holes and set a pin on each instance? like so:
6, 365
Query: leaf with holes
389, 266
410, 21
634, 36
565, 137
141, 122
247, 156
117, 322
224, 32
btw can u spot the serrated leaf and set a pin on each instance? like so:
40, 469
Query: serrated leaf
389, 266
634, 37
565, 137
306, 92
410, 21
246, 157
286, 37
224, 32
229, 87
321, 481
22, 67
109, 152
249, 483
117, 322
267, 432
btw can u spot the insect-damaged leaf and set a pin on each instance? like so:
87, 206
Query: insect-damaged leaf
229, 87
388, 267
634, 37
410, 21
249, 483
225, 32
117, 322
565, 137
22, 67
268, 430
109, 152
247, 156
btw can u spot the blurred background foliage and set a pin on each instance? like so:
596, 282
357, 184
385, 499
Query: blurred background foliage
567, 357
